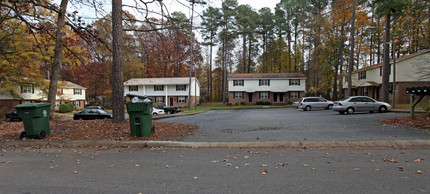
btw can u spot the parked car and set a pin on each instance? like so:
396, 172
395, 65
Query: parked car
89, 114
360, 104
96, 107
297, 104
12, 116
167, 109
157, 111
309, 103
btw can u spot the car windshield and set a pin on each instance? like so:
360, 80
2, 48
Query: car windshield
103, 112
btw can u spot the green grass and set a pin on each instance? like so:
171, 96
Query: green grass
223, 106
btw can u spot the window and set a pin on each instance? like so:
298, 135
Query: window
361, 75
159, 99
77, 91
27, 89
294, 82
182, 99
294, 94
57, 103
77, 103
264, 95
133, 88
264, 82
181, 88
60, 90
159, 88
237, 82
238, 95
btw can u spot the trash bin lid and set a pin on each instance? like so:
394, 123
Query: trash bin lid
32, 105
139, 96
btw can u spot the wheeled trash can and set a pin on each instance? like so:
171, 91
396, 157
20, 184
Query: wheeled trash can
35, 117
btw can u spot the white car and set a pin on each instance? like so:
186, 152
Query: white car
297, 104
157, 111
360, 104
309, 103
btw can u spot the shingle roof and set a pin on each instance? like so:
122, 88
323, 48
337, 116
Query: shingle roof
67, 84
158, 81
266, 75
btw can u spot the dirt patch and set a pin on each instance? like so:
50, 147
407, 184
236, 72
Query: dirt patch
67, 129
421, 121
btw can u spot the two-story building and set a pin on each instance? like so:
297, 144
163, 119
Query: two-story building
68, 92
169, 91
411, 70
276, 88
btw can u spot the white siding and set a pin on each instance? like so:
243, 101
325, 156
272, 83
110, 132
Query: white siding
148, 90
276, 85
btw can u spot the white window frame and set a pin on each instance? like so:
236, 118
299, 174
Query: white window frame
77, 91
159, 99
294, 94
238, 82
182, 87
134, 88
182, 99
238, 95
264, 95
27, 89
264, 82
158, 88
77, 103
361, 75
294, 82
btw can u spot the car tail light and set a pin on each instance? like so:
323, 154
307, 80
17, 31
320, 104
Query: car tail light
301, 104
340, 104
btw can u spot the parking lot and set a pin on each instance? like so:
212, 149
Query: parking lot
286, 124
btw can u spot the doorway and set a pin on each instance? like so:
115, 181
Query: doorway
171, 101
250, 95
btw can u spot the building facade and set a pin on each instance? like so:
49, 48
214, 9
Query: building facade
410, 70
68, 92
165, 91
276, 88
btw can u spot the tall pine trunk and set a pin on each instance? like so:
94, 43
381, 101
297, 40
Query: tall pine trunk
117, 66
58, 55
386, 58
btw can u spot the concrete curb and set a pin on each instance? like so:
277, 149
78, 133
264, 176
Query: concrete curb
195, 145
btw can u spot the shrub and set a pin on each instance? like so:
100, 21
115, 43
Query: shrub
228, 104
242, 103
66, 108
263, 103
236, 104
289, 102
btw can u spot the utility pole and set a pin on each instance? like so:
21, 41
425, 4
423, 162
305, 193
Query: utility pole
351, 51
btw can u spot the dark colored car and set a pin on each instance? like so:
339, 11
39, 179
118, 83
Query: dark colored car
89, 114
12, 116
167, 109
96, 107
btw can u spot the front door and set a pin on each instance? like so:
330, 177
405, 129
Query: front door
275, 97
171, 101
250, 97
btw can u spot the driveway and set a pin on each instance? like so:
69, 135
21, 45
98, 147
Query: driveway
286, 124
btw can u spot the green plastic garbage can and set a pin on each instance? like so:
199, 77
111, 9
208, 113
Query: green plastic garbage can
35, 117
140, 116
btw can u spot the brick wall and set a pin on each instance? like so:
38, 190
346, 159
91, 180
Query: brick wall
256, 97
7, 106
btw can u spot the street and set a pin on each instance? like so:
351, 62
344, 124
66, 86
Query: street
285, 124
126, 170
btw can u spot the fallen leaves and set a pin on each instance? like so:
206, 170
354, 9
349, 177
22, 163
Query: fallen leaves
265, 172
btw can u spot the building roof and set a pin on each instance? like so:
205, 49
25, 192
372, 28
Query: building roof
159, 81
399, 59
67, 84
266, 75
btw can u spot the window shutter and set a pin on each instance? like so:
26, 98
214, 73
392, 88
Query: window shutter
21, 89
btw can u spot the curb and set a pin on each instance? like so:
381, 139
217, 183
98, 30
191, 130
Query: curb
195, 145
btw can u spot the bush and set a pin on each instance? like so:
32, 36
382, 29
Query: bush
263, 103
289, 102
236, 104
228, 104
66, 108
242, 103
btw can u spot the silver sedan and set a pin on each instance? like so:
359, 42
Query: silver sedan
360, 104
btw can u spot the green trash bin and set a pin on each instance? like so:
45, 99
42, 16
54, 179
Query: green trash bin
140, 116
35, 117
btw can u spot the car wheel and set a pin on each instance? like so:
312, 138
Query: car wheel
307, 108
330, 106
8, 119
41, 135
383, 109
154, 114
81, 119
168, 112
341, 112
22, 135
350, 110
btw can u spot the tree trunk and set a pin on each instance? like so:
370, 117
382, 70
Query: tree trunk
351, 52
386, 58
249, 55
342, 45
210, 72
244, 53
58, 55
117, 66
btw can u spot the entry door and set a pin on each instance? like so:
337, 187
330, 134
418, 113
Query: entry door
275, 97
171, 101
250, 97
